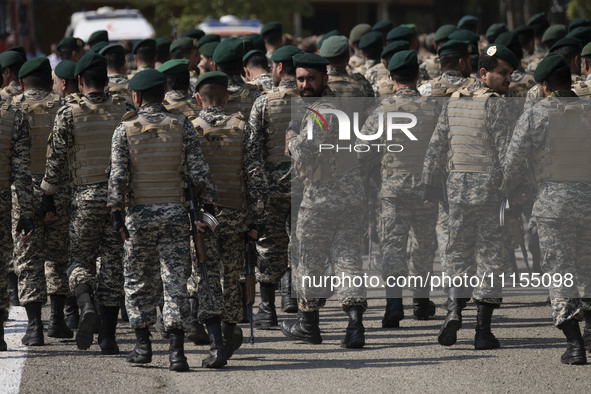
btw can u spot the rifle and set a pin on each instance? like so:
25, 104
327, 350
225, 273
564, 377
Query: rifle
515, 227
251, 258
371, 213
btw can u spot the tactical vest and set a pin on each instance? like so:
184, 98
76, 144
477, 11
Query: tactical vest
41, 115
187, 107
345, 86
471, 145
223, 147
410, 160
568, 143
242, 100
582, 88
519, 88
386, 87
120, 89
94, 125
7, 115
441, 87
279, 107
157, 159
432, 66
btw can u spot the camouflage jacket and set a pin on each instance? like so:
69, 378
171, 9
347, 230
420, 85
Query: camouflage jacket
365, 85
12, 89
118, 78
372, 75
197, 167
448, 78
263, 81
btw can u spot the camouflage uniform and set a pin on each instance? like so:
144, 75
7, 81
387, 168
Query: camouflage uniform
521, 82
583, 88
355, 85
355, 61
242, 96
263, 81
432, 66
533, 95
181, 102
371, 75
226, 247
49, 243
118, 84
158, 247
327, 197
11, 90
90, 221
562, 207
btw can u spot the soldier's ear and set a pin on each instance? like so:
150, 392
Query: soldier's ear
226, 98
482, 73
198, 98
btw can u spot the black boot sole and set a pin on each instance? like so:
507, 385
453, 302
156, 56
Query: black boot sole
449, 333
179, 367
574, 360
137, 358
60, 332
314, 340
85, 333
33, 341
211, 362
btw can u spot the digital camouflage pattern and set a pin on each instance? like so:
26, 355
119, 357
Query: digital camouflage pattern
521, 82
449, 82
11, 90
181, 102
263, 81
363, 84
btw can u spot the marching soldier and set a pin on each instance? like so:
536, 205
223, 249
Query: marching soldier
207, 45
144, 55
116, 71
187, 48
386, 86
65, 82
71, 48
256, 69
10, 64
178, 99
272, 33
356, 61
584, 88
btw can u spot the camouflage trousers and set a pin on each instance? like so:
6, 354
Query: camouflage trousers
90, 239
566, 250
398, 216
41, 264
5, 244
478, 245
157, 261
329, 234
442, 234
273, 244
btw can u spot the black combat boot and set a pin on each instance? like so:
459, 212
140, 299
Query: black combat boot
306, 328
142, 353
71, 312
267, 315
423, 308
575, 345
394, 309
196, 333
484, 338
288, 304
3, 318
453, 321
34, 334
216, 358
88, 317
57, 325
13, 289
178, 361
106, 337
587, 331
355, 334
232, 338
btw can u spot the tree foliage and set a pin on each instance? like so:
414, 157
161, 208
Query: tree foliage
578, 9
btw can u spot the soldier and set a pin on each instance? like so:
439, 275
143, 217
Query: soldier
15, 144
454, 58
478, 242
65, 82
240, 195
207, 45
336, 50
465, 35
178, 99
256, 69
371, 48
539, 22
494, 31
269, 119
521, 80
10, 63
195, 34
156, 221
71, 48
441, 37
81, 137
331, 193
272, 33
386, 86
584, 88
144, 55
48, 246
383, 27
553, 135
468, 22
162, 51
116, 70
356, 61
187, 48
97, 37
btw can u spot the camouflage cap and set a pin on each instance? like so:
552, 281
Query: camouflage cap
209, 38
285, 53
212, 78
582, 33
184, 43
174, 66
20, 50
394, 47
147, 79
66, 70
228, 51
311, 60
370, 39
334, 46
383, 26
90, 60
400, 33
455, 46
586, 50
403, 60
566, 42
548, 64
111, 48
538, 19
37, 65
553, 33
503, 53
98, 36
271, 27
443, 32
195, 34
208, 48
494, 31
250, 53
11, 58
327, 35
98, 46
148, 42
468, 21
358, 31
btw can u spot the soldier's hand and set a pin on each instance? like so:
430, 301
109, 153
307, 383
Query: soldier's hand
25, 225
118, 228
201, 227
432, 196
48, 210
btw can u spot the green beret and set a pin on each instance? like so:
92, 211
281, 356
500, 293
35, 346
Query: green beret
467, 21
586, 50
271, 27
410, 26
163, 44
174, 66
326, 35
209, 38
539, 19
20, 50
195, 34
455, 46
524, 31
403, 60
11, 58
554, 33
147, 79
98, 46
67, 42
228, 51
503, 53
358, 31
112, 48
582, 33
464, 35
208, 48
494, 30
148, 42
383, 26
443, 32
184, 43
79, 43
312, 60
370, 39
212, 78
393, 47
334, 46
548, 64
507, 39
566, 42
257, 41
400, 33
90, 60
579, 22
250, 53
98, 36
66, 70
285, 53
37, 65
